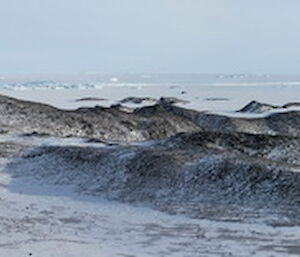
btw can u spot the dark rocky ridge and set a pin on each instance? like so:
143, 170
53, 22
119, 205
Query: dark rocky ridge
107, 124
90, 98
286, 124
117, 124
137, 100
162, 100
200, 160
183, 174
257, 107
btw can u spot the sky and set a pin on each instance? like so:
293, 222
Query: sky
189, 36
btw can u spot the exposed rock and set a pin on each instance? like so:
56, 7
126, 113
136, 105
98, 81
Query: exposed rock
291, 105
196, 160
183, 174
171, 100
123, 124
90, 99
108, 124
216, 99
137, 100
35, 134
122, 108
257, 107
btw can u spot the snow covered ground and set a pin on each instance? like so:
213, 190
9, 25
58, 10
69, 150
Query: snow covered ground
40, 219
52, 221
216, 97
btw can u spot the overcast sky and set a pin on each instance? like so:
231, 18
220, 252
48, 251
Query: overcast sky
257, 36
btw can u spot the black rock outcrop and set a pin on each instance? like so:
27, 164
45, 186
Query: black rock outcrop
257, 107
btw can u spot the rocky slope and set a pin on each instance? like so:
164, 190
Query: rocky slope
196, 163
113, 124
107, 124
229, 174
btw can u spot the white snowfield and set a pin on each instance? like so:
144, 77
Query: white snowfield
40, 219
214, 97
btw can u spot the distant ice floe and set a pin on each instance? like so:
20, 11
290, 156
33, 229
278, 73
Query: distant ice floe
57, 85
114, 80
44, 85
241, 76
269, 83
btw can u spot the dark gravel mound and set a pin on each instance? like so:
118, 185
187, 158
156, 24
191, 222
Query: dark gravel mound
122, 124
171, 100
194, 161
137, 100
183, 174
291, 105
257, 107
84, 99
108, 124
